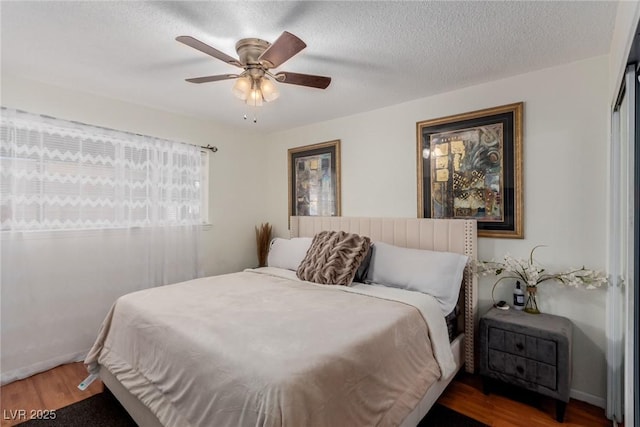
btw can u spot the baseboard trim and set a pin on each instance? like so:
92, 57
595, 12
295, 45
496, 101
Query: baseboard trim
27, 371
589, 398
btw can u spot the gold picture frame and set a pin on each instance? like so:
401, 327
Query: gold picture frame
314, 180
470, 167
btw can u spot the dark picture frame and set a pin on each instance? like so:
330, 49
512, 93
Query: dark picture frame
470, 167
314, 180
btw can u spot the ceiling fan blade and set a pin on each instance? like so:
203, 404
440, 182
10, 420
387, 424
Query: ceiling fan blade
212, 78
284, 48
319, 82
205, 48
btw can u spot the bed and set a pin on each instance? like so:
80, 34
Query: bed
240, 349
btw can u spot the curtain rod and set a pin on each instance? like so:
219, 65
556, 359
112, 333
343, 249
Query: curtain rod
213, 148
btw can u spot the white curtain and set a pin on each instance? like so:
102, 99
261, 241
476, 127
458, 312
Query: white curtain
87, 215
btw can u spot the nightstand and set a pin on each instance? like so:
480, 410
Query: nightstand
532, 351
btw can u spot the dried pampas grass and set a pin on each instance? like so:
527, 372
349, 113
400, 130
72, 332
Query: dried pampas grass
263, 238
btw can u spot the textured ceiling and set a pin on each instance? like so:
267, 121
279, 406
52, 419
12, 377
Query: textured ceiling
378, 53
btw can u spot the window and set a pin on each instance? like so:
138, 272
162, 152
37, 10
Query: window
58, 174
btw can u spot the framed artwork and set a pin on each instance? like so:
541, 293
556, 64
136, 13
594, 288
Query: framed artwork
470, 167
314, 180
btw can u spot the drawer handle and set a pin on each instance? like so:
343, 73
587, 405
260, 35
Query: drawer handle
519, 346
520, 369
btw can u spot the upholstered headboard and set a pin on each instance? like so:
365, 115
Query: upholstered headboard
450, 235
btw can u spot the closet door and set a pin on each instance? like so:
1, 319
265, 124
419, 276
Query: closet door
630, 255
633, 412
620, 297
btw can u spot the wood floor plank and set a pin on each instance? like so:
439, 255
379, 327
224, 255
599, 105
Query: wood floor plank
474, 405
76, 372
497, 409
49, 390
18, 396
53, 388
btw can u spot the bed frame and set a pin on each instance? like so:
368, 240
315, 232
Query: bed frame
459, 236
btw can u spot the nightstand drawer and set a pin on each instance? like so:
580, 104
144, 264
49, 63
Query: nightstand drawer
524, 345
523, 368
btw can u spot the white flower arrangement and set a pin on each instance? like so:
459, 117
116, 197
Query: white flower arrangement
532, 273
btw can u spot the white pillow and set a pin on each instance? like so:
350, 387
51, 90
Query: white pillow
438, 274
288, 253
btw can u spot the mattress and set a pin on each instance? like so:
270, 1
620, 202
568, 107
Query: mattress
263, 348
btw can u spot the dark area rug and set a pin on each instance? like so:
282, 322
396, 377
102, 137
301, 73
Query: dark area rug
100, 410
104, 410
441, 416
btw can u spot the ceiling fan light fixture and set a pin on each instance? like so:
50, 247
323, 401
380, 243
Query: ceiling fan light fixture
269, 91
255, 97
242, 88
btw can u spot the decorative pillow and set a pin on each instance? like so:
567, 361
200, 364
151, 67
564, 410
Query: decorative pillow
363, 270
438, 274
333, 258
288, 253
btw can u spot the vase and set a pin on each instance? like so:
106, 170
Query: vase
531, 305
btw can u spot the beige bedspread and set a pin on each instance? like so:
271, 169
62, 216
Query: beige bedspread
256, 349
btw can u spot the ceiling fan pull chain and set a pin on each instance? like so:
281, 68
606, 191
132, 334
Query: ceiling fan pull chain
255, 118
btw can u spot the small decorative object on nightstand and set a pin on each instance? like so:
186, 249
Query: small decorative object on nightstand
518, 297
532, 352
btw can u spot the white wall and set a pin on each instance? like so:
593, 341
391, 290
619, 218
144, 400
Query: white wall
564, 149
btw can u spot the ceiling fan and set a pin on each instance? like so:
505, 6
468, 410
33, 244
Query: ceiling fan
257, 57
